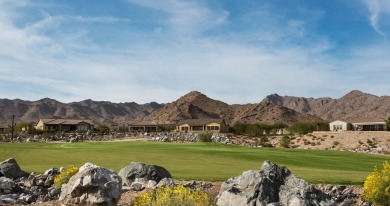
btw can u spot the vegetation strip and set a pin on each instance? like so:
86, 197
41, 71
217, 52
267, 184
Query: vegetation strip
196, 161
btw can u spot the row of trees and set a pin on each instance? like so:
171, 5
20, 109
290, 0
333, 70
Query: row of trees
257, 130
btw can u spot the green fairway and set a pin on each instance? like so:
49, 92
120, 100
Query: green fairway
196, 161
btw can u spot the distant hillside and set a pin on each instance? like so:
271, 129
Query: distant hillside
97, 111
354, 104
197, 105
273, 108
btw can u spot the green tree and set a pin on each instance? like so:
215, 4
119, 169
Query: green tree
239, 128
387, 124
102, 128
302, 128
285, 141
22, 125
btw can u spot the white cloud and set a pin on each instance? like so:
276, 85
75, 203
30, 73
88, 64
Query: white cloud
56, 57
377, 8
186, 18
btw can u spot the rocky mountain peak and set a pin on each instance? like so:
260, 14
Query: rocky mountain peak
273, 98
192, 96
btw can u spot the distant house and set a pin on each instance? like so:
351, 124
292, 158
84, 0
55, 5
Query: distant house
202, 125
358, 124
64, 125
143, 126
3, 127
135, 126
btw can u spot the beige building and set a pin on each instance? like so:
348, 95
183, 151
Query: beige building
64, 125
143, 126
202, 125
135, 126
358, 124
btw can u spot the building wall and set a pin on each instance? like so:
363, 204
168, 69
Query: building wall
339, 126
40, 125
212, 127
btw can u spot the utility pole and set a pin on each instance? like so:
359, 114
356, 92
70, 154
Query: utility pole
12, 128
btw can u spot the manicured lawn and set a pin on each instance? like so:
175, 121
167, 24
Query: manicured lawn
196, 161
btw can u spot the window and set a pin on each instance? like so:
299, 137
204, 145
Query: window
212, 128
338, 127
197, 128
184, 128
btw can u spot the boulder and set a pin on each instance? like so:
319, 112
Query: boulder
140, 170
10, 168
272, 185
92, 185
6, 185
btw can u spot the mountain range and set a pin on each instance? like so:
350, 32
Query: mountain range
194, 105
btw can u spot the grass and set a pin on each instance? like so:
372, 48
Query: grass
196, 161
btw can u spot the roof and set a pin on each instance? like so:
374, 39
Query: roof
66, 121
195, 122
143, 123
363, 120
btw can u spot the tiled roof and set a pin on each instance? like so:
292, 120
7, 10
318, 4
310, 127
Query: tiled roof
66, 121
195, 122
143, 123
364, 120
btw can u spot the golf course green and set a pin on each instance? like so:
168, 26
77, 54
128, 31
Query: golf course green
195, 161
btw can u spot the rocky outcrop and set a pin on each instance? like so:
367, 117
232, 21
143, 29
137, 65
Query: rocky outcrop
272, 185
141, 170
35, 188
353, 104
92, 185
10, 168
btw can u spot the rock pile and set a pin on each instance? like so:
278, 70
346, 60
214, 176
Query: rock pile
272, 185
19, 187
92, 185
140, 176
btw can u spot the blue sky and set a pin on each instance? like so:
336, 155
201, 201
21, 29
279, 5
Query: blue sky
230, 50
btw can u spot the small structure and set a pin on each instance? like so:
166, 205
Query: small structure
64, 125
201, 125
3, 127
358, 124
143, 126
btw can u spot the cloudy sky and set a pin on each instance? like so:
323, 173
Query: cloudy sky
234, 51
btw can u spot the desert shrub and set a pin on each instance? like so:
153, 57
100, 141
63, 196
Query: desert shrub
65, 175
285, 141
332, 136
313, 144
377, 185
179, 195
205, 137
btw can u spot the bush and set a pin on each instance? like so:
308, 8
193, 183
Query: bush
285, 141
179, 195
377, 185
65, 175
205, 137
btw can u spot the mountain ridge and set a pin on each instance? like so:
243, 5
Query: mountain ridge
273, 108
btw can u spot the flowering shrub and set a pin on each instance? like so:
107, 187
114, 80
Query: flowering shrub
65, 175
179, 195
377, 185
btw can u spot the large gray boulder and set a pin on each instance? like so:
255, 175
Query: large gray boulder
272, 185
10, 168
92, 185
141, 170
